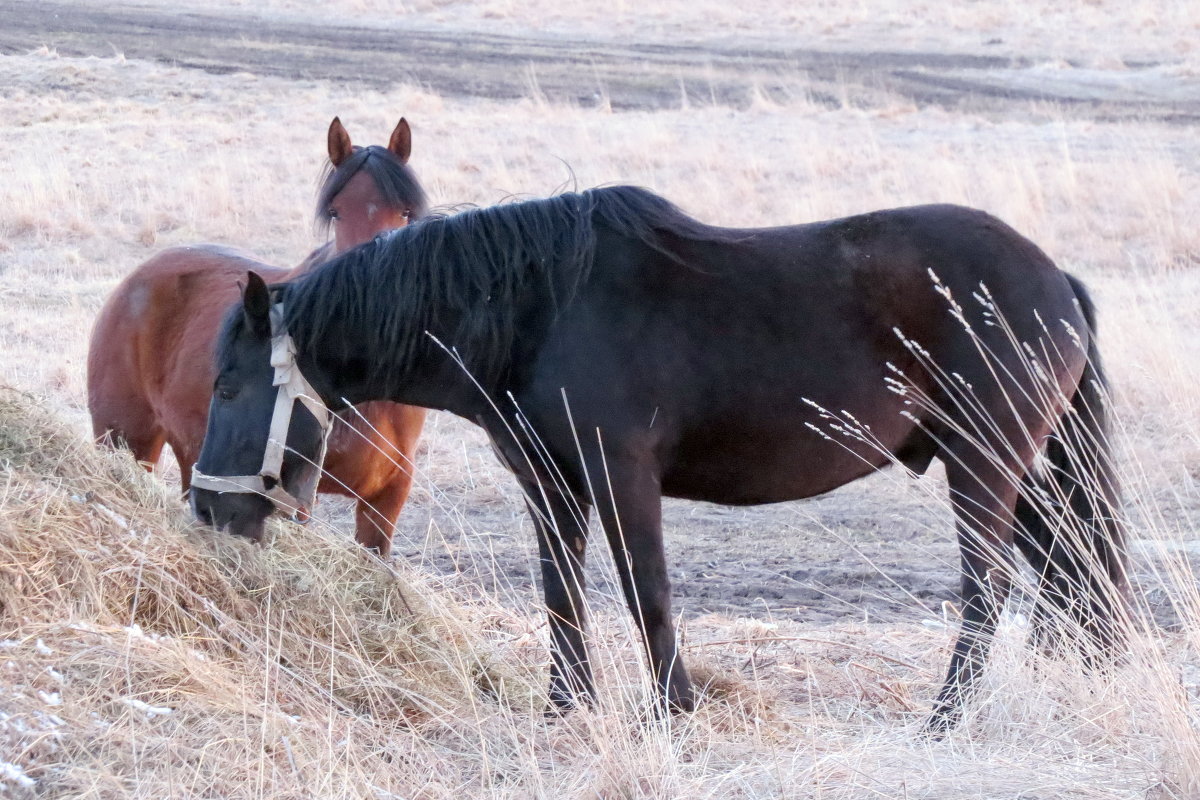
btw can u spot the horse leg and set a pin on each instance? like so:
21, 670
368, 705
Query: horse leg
1030, 521
389, 434
146, 446
983, 495
561, 522
375, 517
1074, 543
186, 458
146, 449
632, 517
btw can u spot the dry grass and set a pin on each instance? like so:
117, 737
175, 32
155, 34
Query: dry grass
118, 176
146, 655
142, 658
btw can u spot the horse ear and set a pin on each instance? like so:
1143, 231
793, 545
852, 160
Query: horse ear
401, 141
338, 143
256, 305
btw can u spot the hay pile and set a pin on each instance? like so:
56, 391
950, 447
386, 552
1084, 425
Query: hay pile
140, 656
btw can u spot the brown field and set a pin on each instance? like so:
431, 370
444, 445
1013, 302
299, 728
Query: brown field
140, 657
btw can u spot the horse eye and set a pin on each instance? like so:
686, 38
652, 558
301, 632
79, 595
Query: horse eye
332, 214
226, 394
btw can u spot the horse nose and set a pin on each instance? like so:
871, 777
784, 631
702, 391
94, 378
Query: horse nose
238, 514
201, 507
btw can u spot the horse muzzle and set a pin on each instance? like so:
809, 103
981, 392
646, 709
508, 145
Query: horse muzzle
243, 515
267, 484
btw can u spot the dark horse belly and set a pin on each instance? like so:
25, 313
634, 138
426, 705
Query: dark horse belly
801, 456
760, 384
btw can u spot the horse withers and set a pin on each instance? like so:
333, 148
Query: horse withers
616, 351
150, 361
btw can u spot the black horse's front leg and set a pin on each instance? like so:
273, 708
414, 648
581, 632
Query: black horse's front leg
631, 511
562, 526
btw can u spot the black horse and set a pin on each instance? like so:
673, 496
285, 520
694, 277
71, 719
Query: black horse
617, 350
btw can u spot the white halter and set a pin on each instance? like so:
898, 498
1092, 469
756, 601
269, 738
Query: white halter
292, 387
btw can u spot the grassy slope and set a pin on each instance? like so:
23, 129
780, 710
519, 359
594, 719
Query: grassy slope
142, 658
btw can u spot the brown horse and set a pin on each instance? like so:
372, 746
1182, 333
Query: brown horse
150, 362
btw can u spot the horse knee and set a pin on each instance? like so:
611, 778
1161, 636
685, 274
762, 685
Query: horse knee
371, 537
369, 533
147, 452
650, 602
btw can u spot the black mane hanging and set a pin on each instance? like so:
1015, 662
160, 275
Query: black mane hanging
460, 277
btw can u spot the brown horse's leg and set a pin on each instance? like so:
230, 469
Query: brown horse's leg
632, 516
186, 457
562, 527
146, 448
983, 495
375, 517
385, 439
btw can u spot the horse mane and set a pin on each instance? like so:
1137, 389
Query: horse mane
461, 277
396, 182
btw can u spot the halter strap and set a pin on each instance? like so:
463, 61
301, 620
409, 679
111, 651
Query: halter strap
291, 386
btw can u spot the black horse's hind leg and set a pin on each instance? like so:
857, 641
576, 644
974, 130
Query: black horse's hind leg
983, 495
1030, 531
561, 522
630, 508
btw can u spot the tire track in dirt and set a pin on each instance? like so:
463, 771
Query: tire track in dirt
584, 72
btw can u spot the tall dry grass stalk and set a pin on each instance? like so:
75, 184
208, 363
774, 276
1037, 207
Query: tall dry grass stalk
1071, 597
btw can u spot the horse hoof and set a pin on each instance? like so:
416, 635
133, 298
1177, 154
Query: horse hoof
682, 705
938, 725
557, 712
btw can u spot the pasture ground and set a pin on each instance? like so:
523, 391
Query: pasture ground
307, 669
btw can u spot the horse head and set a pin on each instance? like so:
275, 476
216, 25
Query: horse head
267, 426
368, 190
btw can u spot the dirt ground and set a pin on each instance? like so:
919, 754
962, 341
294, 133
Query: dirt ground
882, 549
592, 71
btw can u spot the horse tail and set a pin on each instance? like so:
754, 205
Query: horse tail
1067, 521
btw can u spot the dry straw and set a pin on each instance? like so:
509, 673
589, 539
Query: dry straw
169, 654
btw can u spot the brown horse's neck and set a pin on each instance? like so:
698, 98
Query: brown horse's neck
313, 259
